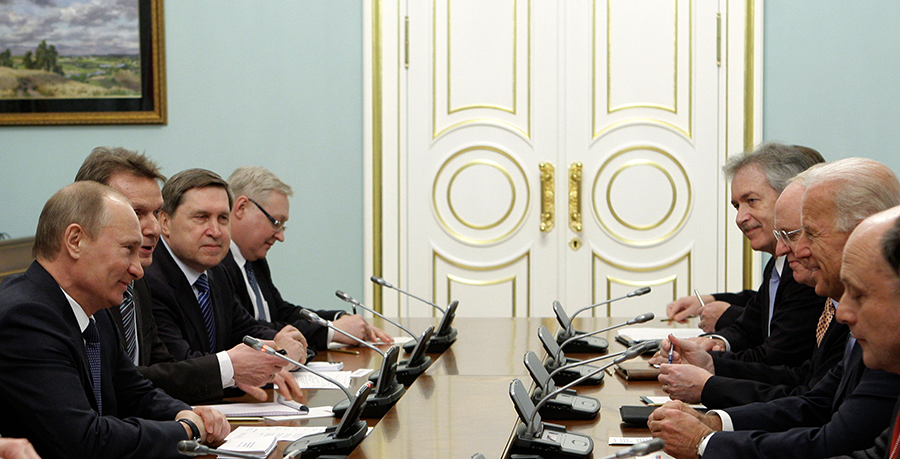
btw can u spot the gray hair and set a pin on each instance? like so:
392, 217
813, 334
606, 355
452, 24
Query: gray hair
864, 187
256, 183
778, 162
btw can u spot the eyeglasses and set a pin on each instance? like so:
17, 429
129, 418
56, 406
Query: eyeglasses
278, 224
787, 238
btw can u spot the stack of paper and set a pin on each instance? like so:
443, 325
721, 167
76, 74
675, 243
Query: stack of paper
639, 334
261, 441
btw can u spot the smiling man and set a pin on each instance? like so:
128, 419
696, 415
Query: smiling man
260, 211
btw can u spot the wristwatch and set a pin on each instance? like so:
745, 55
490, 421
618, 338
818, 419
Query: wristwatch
194, 430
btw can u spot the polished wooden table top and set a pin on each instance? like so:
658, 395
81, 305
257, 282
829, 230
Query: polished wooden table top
461, 406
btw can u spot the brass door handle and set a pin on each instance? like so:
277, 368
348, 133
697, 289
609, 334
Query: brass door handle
548, 173
575, 197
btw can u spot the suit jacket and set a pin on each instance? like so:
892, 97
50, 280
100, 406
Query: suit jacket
737, 302
793, 329
194, 381
177, 312
281, 312
739, 383
843, 413
881, 448
46, 393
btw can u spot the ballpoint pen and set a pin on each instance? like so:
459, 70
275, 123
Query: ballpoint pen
671, 352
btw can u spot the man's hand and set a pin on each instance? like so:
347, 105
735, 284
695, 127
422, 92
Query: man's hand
253, 368
692, 351
288, 387
216, 425
293, 342
357, 326
17, 448
683, 382
680, 427
709, 315
686, 307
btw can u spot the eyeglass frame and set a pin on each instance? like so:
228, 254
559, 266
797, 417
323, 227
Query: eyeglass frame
785, 236
278, 224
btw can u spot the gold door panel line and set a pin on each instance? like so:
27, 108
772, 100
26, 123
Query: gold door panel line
510, 272
627, 201
480, 195
575, 197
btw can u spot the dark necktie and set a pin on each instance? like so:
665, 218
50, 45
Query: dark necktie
92, 346
251, 278
127, 309
209, 318
895, 439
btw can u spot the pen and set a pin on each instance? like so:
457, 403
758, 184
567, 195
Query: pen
671, 352
345, 351
697, 294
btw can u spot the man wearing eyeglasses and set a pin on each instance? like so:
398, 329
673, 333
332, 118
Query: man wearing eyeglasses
261, 208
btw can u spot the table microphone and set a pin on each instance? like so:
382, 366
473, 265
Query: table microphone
639, 449
445, 335
385, 283
338, 440
566, 405
589, 344
260, 346
647, 316
353, 301
558, 359
387, 391
194, 448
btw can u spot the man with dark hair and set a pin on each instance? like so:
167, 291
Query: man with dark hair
777, 326
258, 217
196, 315
847, 409
65, 382
196, 380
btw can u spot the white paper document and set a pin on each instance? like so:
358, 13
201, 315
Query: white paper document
261, 441
647, 333
398, 341
236, 410
307, 380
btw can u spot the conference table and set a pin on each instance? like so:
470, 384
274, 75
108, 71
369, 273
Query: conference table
461, 405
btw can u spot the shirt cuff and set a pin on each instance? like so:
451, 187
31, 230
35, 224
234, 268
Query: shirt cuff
226, 369
727, 424
725, 340
330, 333
701, 448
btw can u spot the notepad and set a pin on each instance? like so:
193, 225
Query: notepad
238, 410
647, 333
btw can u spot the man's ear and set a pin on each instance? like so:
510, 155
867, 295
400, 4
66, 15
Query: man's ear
74, 239
240, 207
164, 220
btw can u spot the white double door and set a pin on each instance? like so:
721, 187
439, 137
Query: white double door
560, 150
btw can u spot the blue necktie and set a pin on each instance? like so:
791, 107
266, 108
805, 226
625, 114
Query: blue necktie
209, 318
774, 280
92, 346
127, 309
251, 278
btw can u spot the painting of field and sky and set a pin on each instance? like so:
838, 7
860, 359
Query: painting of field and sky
69, 49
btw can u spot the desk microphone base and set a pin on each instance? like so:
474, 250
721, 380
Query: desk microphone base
568, 405
376, 405
552, 442
437, 344
566, 376
587, 345
317, 445
406, 375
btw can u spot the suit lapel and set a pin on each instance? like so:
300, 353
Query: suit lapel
184, 295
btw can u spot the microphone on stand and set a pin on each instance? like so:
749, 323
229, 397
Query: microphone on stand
574, 368
385, 283
351, 300
340, 439
387, 391
641, 318
444, 335
194, 448
589, 345
566, 405
534, 436
640, 449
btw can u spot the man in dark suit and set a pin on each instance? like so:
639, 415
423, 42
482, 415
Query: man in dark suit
65, 382
195, 315
730, 382
847, 409
192, 381
777, 325
260, 211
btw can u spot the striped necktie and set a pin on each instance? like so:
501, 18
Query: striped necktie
260, 306
824, 321
209, 318
127, 309
92, 346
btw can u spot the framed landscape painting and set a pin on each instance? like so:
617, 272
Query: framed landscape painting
82, 62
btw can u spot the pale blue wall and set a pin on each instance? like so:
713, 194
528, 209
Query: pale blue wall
832, 77
276, 83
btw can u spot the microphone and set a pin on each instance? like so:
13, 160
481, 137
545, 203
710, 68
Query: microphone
639, 449
352, 301
194, 448
340, 439
558, 359
387, 391
385, 283
589, 345
637, 320
260, 346
568, 404
445, 335
314, 318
